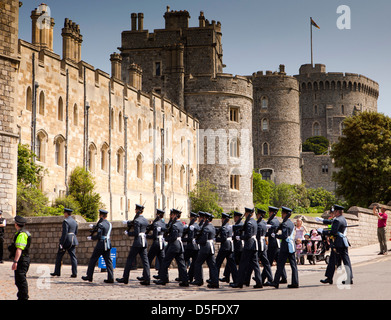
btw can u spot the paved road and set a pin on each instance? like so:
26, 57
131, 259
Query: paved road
372, 280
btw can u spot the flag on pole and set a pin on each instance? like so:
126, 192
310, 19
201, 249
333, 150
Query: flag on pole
313, 23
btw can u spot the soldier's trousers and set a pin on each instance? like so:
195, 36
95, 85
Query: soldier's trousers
249, 262
230, 263
340, 253
154, 251
171, 255
211, 262
266, 272
142, 252
20, 278
191, 254
227, 270
60, 255
94, 259
282, 257
272, 254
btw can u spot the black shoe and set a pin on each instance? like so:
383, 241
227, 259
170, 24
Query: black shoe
236, 285
54, 274
224, 280
293, 286
213, 285
160, 282
122, 280
85, 278
284, 281
271, 284
156, 277
145, 282
140, 278
208, 281
346, 282
327, 280
178, 279
74, 276
195, 283
183, 284
108, 281
258, 285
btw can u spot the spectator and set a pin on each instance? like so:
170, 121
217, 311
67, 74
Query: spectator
300, 229
316, 238
381, 227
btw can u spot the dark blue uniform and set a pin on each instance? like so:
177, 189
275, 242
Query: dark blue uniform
206, 253
157, 247
191, 247
139, 247
238, 248
102, 248
68, 242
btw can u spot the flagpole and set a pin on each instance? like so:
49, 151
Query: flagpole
312, 52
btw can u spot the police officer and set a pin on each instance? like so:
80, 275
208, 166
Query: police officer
287, 250
157, 248
139, 247
226, 251
68, 242
340, 247
175, 249
192, 247
19, 252
273, 247
3, 223
249, 257
238, 244
205, 239
262, 248
101, 232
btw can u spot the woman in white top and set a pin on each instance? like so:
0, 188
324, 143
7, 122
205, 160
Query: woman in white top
300, 229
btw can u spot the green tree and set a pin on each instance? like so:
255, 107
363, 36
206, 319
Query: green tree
363, 157
81, 188
204, 197
262, 190
29, 173
318, 145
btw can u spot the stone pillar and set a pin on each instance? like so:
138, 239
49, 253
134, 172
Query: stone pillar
135, 76
116, 60
9, 10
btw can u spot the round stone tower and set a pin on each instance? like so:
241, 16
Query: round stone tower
326, 99
276, 127
223, 105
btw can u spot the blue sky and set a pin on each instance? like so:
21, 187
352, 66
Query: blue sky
257, 34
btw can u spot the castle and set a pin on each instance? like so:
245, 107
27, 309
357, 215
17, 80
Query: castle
166, 117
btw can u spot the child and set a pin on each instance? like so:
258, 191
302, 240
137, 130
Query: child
316, 237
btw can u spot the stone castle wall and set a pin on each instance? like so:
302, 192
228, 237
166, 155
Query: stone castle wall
276, 126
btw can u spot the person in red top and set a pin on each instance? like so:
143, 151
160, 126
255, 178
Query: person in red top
381, 227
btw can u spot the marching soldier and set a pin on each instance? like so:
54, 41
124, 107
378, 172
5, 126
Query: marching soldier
287, 250
340, 247
205, 239
139, 247
238, 244
249, 257
262, 249
101, 232
224, 236
192, 247
273, 247
19, 252
174, 249
68, 242
157, 248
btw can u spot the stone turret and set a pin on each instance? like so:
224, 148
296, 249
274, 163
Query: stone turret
42, 27
71, 41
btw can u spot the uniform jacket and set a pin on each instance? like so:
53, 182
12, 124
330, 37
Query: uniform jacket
272, 242
261, 232
103, 235
176, 231
139, 227
190, 238
205, 240
236, 229
287, 228
249, 235
225, 233
338, 227
159, 223
69, 233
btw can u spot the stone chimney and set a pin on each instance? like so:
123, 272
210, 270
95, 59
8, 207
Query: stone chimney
140, 17
116, 61
71, 41
135, 76
133, 17
42, 27
201, 19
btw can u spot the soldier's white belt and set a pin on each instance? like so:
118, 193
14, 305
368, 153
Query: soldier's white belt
262, 243
143, 239
232, 243
212, 247
180, 241
195, 243
161, 241
256, 241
